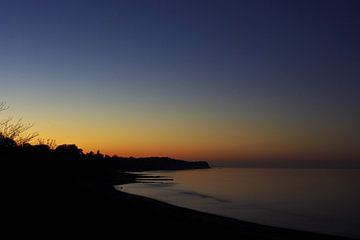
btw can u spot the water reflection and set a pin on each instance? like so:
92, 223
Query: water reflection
316, 200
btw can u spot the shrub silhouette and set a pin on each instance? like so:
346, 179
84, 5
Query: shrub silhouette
6, 142
68, 151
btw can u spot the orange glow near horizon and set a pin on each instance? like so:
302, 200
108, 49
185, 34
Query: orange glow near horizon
212, 145
192, 135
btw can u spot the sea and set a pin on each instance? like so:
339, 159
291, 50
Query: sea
317, 200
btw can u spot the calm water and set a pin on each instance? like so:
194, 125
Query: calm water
326, 201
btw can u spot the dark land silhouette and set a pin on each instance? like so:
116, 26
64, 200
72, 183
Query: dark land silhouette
64, 193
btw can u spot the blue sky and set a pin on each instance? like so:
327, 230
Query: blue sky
259, 74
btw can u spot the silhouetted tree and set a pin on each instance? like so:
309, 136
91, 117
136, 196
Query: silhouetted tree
6, 142
18, 131
51, 143
68, 151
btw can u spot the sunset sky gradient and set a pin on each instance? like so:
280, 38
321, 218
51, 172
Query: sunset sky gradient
230, 82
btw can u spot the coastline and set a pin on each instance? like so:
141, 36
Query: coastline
207, 224
51, 200
297, 199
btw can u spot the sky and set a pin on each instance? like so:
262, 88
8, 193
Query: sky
255, 83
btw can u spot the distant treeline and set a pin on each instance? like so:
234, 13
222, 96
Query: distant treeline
70, 154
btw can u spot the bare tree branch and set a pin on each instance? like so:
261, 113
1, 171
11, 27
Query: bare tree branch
51, 143
3, 106
15, 130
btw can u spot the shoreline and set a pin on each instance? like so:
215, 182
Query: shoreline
61, 200
222, 224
